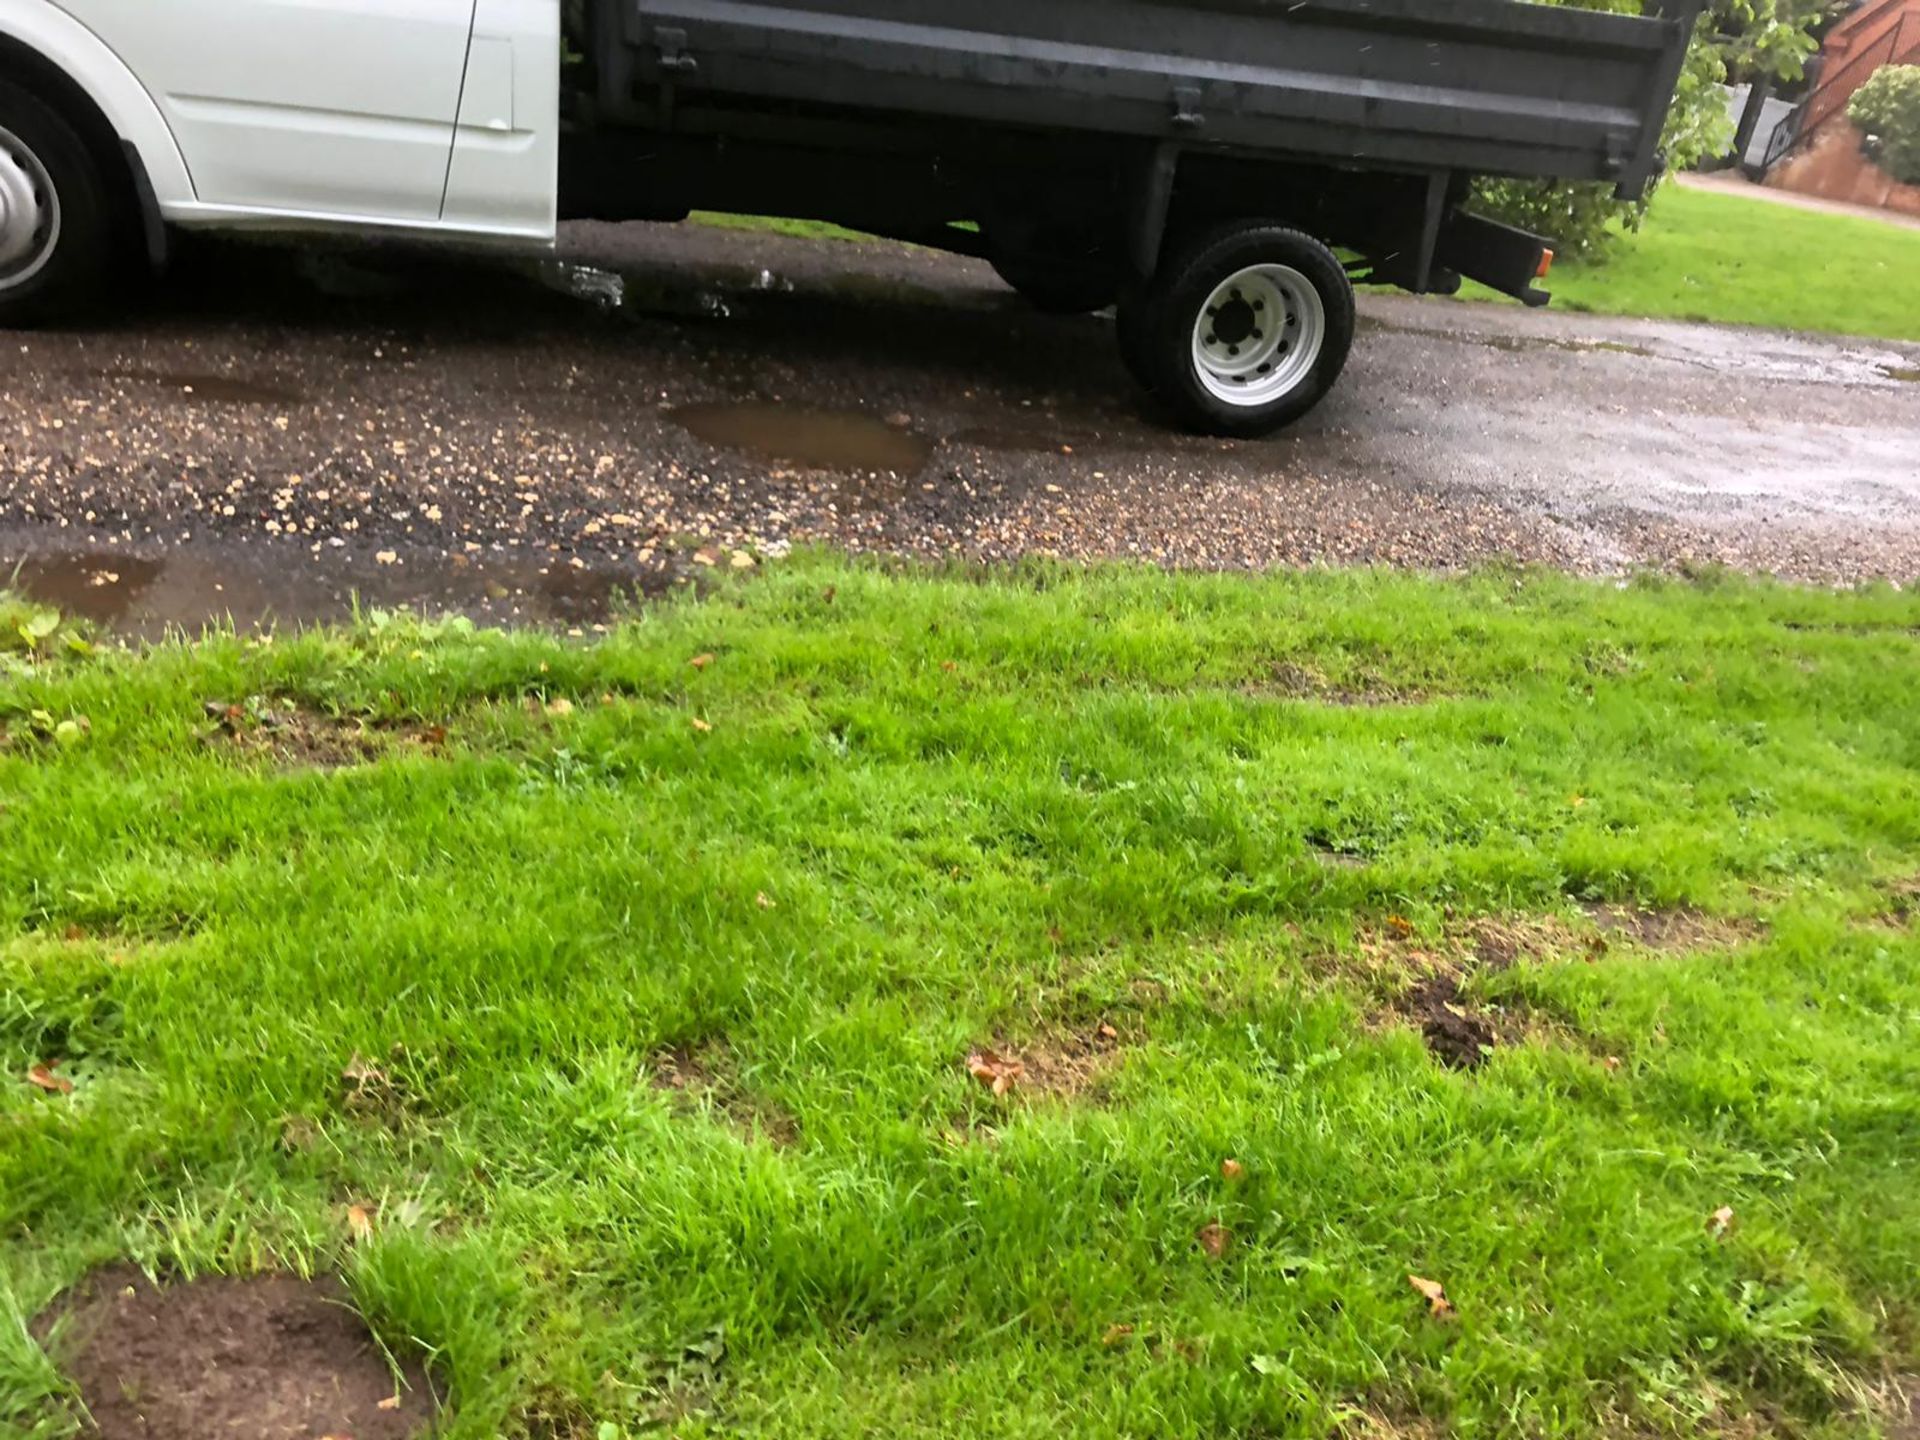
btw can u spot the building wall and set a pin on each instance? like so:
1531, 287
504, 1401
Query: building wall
1880, 32
1828, 163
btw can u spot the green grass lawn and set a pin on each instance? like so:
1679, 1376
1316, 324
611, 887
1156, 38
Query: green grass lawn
1725, 258
630, 988
1731, 260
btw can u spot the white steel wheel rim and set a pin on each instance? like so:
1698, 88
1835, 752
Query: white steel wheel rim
1259, 335
29, 213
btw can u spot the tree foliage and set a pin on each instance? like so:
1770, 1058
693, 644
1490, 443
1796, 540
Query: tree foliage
1887, 110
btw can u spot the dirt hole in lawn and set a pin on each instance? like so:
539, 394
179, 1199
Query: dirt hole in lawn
704, 1075
273, 1357
1457, 1036
294, 738
1422, 977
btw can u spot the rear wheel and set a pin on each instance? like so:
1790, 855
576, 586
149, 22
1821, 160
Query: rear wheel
54, 229
1243, 330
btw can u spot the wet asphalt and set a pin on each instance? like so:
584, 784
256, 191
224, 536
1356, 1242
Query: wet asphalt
269, 433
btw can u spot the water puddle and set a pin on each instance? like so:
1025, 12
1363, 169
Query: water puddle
96, 585
1505, 341
846, 440
207, 389
1725, 350
261, 586
709, 294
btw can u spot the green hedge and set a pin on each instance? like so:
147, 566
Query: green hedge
1887, 109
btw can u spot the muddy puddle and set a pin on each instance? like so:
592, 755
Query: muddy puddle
253, 587
845, 440
207, 389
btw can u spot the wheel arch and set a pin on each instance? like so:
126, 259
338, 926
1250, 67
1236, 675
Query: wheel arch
50, 53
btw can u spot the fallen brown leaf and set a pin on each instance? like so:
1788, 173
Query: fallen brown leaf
1720, 1222
1232, 1170
1436, 1294
1214, 1238
700, 662
998, 1072
1400, 925
42, 1077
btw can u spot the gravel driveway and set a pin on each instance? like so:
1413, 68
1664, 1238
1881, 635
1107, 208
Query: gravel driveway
271, 433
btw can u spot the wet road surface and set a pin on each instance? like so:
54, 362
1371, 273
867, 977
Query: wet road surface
271, 434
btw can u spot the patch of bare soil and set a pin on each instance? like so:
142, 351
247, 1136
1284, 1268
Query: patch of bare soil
1421, 978
293, 738
1424, 975
1674, 927
1060, 1065
1903, 903
704, 1076
273, 1357
1293, 681
1902, 1407
1381, 1425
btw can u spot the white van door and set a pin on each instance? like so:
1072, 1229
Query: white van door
316, 108
506, 148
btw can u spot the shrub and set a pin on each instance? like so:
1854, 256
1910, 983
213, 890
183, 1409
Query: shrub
1887, 110
1576, 217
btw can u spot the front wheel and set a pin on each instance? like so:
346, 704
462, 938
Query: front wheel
1243, 330
54, 230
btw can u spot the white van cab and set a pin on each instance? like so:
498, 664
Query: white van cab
120, 117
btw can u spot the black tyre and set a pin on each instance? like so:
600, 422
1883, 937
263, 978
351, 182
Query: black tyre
1243, 330
55, 226
1059, 286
